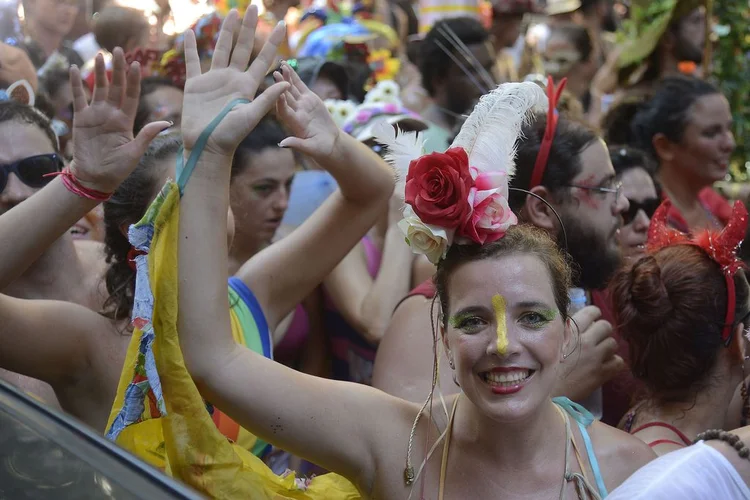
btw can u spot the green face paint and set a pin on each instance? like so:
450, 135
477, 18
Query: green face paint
455, 321
549, 314
499, 306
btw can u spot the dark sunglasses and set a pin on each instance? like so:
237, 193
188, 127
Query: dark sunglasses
32, 171
648, 206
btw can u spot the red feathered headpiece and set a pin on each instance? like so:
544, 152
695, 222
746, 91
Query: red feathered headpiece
720, 246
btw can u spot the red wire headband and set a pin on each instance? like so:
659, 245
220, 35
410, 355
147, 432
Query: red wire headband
721, 247
553, 95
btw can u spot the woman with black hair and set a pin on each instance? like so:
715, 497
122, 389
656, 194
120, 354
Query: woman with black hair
687, 128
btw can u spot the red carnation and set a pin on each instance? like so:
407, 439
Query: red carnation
437, 188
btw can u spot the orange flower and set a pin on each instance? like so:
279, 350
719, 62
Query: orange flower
687, 67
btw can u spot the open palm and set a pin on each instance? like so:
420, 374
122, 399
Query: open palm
229, 79
305, 115
104, 150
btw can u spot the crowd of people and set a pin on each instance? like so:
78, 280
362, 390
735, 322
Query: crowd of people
385, 249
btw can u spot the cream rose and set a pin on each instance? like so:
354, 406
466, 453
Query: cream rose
425, 239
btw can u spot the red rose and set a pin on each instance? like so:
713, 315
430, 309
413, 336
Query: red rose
437, 188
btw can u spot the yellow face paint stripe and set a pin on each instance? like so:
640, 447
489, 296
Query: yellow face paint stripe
499, 305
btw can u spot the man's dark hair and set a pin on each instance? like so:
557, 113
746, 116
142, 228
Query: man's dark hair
563, 163
434, 63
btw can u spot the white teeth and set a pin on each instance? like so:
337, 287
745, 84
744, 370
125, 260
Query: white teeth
507, 377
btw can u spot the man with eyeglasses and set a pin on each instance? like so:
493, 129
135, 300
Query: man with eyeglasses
576, 179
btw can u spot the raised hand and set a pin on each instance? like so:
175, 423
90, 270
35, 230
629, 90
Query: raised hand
229, 78
306, 117
104, 151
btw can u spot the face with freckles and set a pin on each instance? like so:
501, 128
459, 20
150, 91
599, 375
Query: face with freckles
505, 334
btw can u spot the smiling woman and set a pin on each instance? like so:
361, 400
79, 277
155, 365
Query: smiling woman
687, 128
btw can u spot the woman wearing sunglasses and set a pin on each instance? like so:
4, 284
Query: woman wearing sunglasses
635, 170
68, 271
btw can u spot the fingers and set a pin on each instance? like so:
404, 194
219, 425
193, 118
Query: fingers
289, 101
283, 112
586, 316
100, 80
607, 348
296, 81
243, 49
612, 367
223, 49
76, 84
289, 75
133, 91
192, 61
597, 333
146, 135
119, 69
267, 57
267, 100
293, 143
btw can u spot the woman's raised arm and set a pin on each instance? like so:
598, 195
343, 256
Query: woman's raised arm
105, 153
314, 418
52, 340
284, 274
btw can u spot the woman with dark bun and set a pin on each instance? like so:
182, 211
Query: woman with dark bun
687, 128
683, 309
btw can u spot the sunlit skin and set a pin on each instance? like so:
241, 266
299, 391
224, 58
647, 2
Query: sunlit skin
499, 305
536, 337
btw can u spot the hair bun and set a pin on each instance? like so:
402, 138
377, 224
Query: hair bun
648, 295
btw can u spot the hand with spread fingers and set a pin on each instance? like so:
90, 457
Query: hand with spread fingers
306, 116
104, 150
229, 79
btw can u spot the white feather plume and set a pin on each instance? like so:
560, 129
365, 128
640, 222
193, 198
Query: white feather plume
490, 133
401, 148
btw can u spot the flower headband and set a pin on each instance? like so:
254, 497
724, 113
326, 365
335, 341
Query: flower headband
721, 247
461, 196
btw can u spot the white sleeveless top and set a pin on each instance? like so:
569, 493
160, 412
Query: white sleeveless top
697, 472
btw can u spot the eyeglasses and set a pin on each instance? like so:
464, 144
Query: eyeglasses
648, 206
32, 170
613, 187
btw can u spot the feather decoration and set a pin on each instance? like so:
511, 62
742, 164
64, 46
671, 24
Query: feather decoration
490, 133
401, 149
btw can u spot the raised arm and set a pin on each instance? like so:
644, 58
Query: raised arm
313, 418
284, 274
52, 340
365, 302
103, 156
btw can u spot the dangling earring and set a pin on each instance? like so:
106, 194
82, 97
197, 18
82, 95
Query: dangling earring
453, 367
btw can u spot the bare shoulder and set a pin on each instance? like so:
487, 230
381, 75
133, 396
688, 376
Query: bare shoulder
619, 454
92, 255
404, 357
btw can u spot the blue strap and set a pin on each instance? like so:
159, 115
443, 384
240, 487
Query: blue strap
185, 171
584, 418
